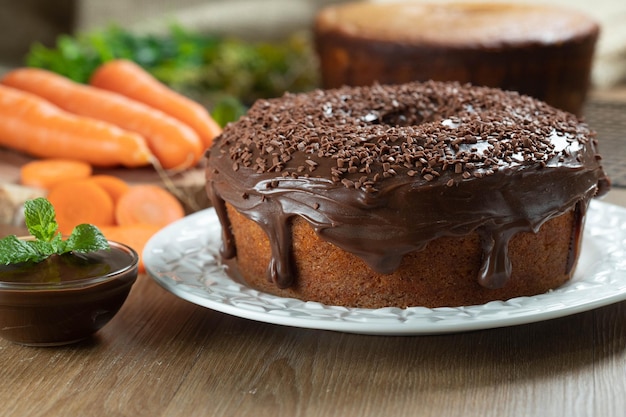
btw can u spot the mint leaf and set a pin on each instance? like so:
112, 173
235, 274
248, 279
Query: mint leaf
40, 218
45, 249
42, 224
86, 238
14, 250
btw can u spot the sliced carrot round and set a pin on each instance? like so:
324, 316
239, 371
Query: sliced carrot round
81, 201
148, 203
135, 235
46, 173
113, 185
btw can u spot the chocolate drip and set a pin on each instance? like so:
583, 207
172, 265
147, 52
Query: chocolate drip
382, 191
496, 266
577, 233
276, 226
228, 249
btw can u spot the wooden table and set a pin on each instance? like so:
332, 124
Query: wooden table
163, 356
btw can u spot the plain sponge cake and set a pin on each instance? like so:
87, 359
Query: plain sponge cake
539, 50
416, 194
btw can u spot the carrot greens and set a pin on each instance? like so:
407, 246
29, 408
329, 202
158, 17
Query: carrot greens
222, 73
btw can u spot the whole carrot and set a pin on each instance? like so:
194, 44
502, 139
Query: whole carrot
173, 143
131, 80
37, 127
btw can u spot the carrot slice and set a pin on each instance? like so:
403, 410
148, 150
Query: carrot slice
148, 203
81, 201
37, 127
175, 144
134, 235
131, 80
113, 185
45, 173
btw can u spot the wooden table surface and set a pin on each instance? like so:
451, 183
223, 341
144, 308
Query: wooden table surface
163, 356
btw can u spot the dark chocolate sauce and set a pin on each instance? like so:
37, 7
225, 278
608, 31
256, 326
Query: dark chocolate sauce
65, 298
454, 160
64, 268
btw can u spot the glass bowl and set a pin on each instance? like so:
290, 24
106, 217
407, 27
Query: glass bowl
65, 298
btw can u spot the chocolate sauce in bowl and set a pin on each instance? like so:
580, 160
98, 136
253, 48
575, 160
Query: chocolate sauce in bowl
65, 298
381, 171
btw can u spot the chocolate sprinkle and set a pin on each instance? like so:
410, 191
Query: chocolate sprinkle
446, 128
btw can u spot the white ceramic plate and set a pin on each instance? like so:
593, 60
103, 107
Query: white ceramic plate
184, 259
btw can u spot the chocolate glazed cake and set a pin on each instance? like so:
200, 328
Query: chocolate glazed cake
431, 194
539, 50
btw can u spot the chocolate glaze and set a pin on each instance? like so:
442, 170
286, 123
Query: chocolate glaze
381, 171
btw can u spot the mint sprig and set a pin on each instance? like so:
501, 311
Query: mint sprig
42, 225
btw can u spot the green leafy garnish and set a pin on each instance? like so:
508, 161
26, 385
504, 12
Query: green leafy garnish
42, 225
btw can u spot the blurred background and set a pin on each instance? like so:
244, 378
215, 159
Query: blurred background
246, 72
26, 21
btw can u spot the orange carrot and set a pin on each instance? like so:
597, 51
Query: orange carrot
131, 80
147, 203
113, 185
136, 236
81, 201
45, 173
174, 143
35, 126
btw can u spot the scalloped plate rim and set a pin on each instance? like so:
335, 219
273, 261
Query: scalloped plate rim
197, 236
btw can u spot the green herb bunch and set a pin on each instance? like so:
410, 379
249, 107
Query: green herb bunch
42, 225
224, 74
